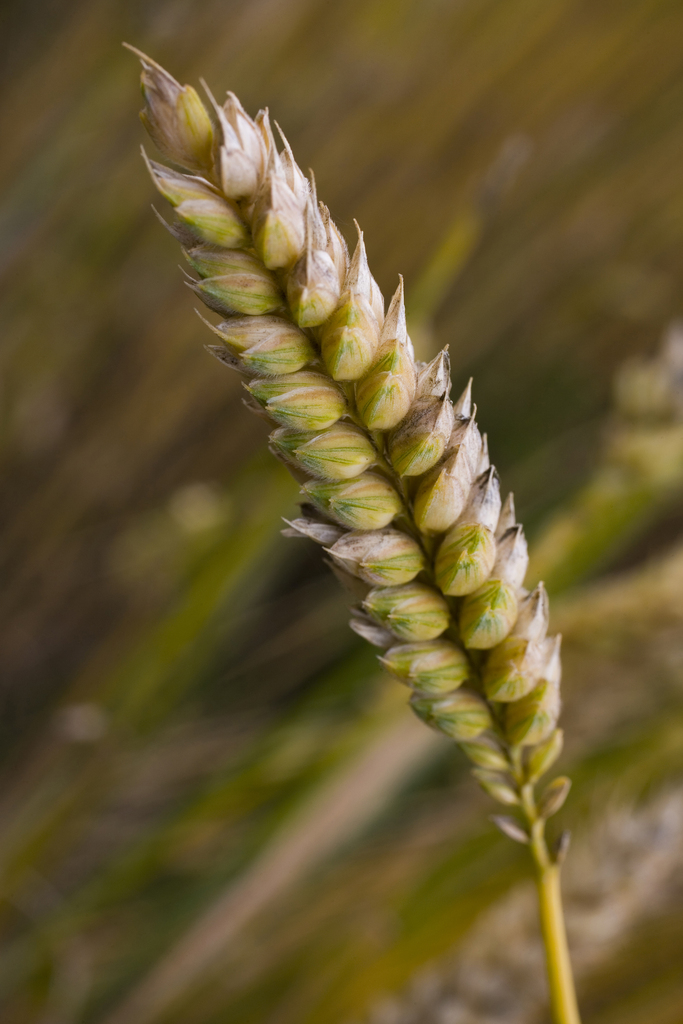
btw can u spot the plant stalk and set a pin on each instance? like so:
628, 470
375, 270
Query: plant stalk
563, 1002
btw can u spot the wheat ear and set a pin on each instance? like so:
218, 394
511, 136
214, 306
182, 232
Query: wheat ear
396, 478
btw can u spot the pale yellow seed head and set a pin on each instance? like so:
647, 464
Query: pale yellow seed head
444, 490
211, 261
434, 667
464, 559
239, 165
267, 344
175, 117
384, 397
278, 224
418, 443
488, 615
386, 393
313, 289
412, 612
368, 502
385, 557
239, 175
279, 352
341, 452
513, 669
241, 157
177, 187
302, 401
532, 719
442, 494
543, 756
462, 715
215, 221
485, 752
244, 287
348, 340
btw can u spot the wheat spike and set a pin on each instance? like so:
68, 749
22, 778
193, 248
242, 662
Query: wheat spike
396, 479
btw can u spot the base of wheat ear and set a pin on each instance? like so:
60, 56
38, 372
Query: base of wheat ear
397, 484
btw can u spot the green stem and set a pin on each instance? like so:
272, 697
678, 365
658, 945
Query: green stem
560, 979
563, 1002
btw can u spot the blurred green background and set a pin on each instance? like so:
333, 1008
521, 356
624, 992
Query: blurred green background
213, 806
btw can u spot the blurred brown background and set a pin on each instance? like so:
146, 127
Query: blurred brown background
213, 807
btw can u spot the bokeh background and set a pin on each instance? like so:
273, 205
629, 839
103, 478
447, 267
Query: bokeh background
213, 806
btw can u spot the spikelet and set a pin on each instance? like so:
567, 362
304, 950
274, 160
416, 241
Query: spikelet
244, 286
266, 344
434, 667
278, 223
411, 612
348, 340
386, 393
241, 157
443, 491
463, 715
385, 556
175, 117
313, 284
512, 669
467, 553
435, 568
420, 440
532, 719
488, 615
368, 502
341, 452
209, 216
